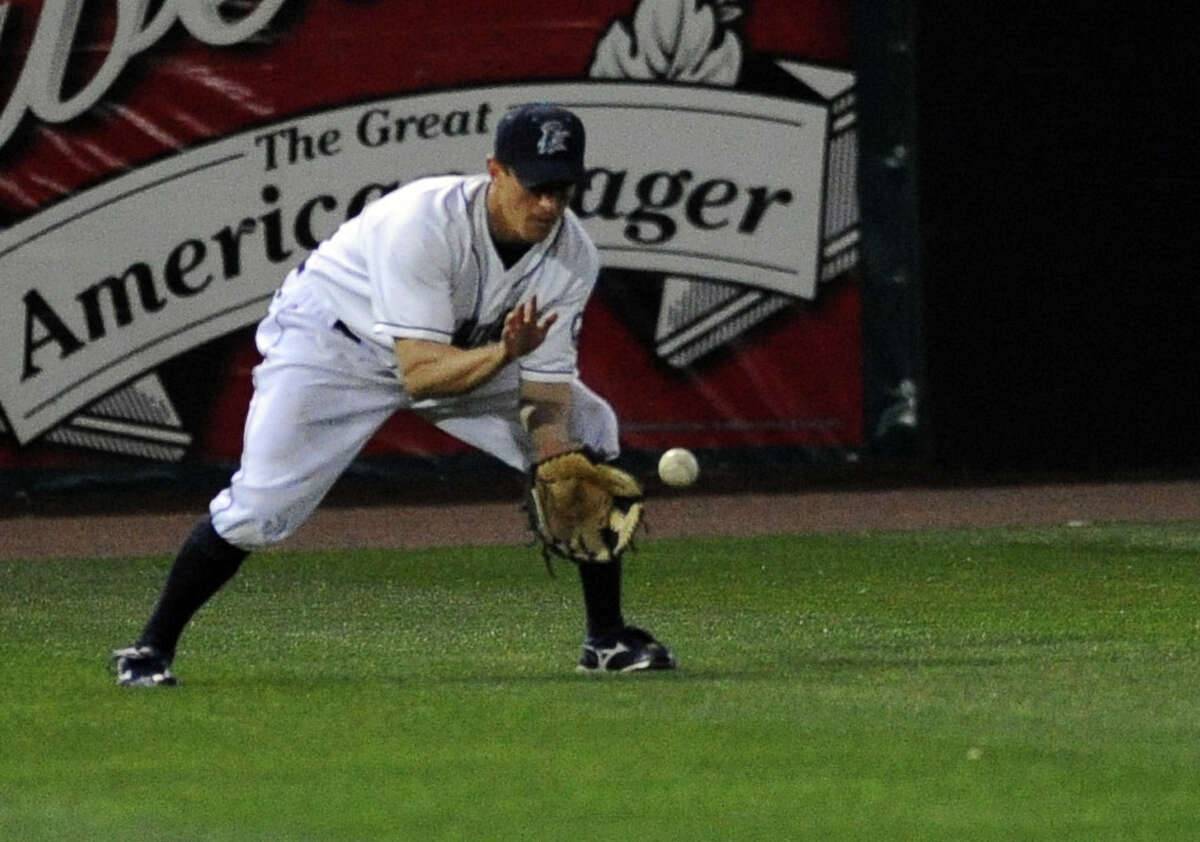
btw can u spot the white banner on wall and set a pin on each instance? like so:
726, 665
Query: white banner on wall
105, 286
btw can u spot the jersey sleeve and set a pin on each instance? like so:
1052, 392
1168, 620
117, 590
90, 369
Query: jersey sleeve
572, 276
409, 260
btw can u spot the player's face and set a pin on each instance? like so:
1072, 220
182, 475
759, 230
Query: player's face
520, 214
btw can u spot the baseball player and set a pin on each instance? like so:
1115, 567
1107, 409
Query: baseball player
455, 297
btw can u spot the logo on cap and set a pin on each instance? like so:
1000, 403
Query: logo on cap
554, 138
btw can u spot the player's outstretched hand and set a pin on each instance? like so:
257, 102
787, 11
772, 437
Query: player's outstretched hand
522, 330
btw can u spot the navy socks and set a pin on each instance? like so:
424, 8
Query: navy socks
205, 562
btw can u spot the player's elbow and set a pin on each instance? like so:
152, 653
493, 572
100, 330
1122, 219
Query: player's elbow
417, 394
418, 387
428, 379
416, 363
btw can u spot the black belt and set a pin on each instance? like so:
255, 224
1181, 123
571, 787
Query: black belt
341, 328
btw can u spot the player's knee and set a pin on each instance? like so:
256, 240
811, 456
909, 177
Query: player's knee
251, 528
251, 535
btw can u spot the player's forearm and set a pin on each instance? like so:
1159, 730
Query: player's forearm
548, 430
545, 410
442, 370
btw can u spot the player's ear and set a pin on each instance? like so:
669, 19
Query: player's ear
494, 167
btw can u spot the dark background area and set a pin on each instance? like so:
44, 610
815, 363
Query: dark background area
1046, 210
1058, 200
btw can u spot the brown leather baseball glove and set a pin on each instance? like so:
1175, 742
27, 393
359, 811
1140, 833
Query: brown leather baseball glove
581, 509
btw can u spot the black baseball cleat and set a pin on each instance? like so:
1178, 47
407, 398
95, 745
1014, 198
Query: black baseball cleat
143, 666
626, 650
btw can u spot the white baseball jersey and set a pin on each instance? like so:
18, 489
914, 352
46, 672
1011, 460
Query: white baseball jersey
418, 263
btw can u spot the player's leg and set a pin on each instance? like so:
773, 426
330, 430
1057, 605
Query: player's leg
204, 563
610, 644
311, 413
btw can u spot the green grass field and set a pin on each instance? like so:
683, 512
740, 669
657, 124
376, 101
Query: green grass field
970, 685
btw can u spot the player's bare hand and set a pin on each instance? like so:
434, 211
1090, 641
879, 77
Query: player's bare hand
523, 331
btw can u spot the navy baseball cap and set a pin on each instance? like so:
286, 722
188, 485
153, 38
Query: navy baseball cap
541, 143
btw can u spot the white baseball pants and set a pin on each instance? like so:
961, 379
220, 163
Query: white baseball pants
319, 396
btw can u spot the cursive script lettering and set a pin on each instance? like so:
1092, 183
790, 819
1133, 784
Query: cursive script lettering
39, 88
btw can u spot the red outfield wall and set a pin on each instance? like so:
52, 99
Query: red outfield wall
162, 169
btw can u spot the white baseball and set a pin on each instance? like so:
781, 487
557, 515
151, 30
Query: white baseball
678, 467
